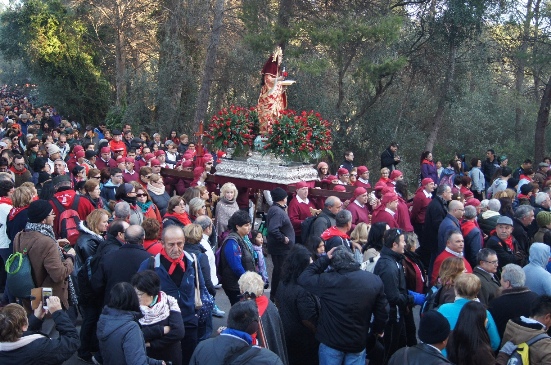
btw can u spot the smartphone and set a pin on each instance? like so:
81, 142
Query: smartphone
67, 247
46, 293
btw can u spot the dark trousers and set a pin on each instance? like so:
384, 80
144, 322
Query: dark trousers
88, 338
411, 331
395, 336
278, 262
189, 342
233, 295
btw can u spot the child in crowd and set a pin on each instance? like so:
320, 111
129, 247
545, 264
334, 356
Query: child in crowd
258, 241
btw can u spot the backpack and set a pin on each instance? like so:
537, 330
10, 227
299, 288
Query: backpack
446, 179
20, 280
431, 299
69, 220
521, 355
307, 226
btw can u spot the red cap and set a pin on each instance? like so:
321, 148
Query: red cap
301, 184
187, 163
79, 154
149, 156
395, 173
78, 148
340, 188
105, 150
198, 171
426, 181
359, 191
155, 162
322, 164
472, 201
468, 195
118, 149
389, 197
120, 159
129, 160
342, 171
159, 153
362, 169
380, 186
330, 178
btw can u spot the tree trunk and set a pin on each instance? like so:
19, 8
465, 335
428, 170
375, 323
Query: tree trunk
283, 19
519, 72
542, 123
210, 62
120, 59
443, 103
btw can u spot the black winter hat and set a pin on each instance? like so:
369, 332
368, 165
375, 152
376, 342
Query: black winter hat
38, 211
278, 194
433, 327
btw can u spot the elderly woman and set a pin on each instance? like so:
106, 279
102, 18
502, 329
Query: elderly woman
91, 237
161, 323
176, 271
176, 213
156, 190
197, 208
467, 287
236, 255
120, 338
21, 198
270, 333
226, 206
127, 192
143, 200
51, 266
151, 243
298, 309
92, 193
18, 345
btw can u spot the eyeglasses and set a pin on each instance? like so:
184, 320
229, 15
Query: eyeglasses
95, 177
496, 262
61, 142
148, 176
140, 195
353, 174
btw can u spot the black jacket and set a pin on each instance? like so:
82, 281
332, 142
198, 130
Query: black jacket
489, 285
218, 350
279, 227
40, 349
504, 254
86, 246
387, 159
389, 268
199, 251
324, 220
521, 235
488, 169
512, 303
117, 267
348, 300
420, 354
436, 212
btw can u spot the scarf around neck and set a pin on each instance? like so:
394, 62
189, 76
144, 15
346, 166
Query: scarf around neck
155, 190
160, 310
144, 206
174, 262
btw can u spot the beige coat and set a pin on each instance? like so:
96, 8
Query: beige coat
540, 352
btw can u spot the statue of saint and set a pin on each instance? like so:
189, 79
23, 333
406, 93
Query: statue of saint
273, 98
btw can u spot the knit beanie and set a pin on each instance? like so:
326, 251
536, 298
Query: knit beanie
38, 211
543, 218
433, 328
526, 188
278, 194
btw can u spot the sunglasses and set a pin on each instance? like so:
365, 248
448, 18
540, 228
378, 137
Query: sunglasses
140, 195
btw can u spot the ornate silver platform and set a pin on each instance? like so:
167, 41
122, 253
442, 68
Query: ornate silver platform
267, 168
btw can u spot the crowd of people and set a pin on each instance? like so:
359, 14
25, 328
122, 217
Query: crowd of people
139, 255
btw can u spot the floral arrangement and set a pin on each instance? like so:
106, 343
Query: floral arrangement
232, 128
299, 137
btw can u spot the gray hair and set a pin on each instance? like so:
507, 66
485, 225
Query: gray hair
252, 283
442, 189
514, 275
122, 210
494, 205
134, 234
484, 204
342, 218
470, 212
541, 197
483, 254
454, 204
195, 204
343, 259
331, 201
523, 210
204, 221
170, 229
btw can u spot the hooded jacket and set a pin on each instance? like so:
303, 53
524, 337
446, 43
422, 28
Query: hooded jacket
109, 191
66, 198
538, 279
121, 340
487, 221
38, 349
519, 331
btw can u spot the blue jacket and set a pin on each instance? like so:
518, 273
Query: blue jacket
449, 224
121, 340
185, 292
538, 279
109, 191
451, 312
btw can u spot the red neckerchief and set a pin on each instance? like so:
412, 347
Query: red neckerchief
15, 211
427, 162
12, 169
522, 176
173, 262
182, 217
467, 227
522, 196
332, 232
508, 241
6, 200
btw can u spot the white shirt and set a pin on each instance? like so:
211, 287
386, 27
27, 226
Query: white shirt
212, 260
305, 201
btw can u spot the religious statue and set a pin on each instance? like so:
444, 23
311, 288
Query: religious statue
273, 96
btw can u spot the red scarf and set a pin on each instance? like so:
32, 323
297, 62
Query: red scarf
182, 217
174, 262
522, 176
15, 211
6, 200
427, 162
508, 241
522, 196
333, 232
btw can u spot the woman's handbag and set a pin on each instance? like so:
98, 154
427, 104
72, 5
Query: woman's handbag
204, 302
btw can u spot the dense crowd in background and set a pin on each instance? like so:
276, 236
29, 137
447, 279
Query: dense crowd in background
138, 256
